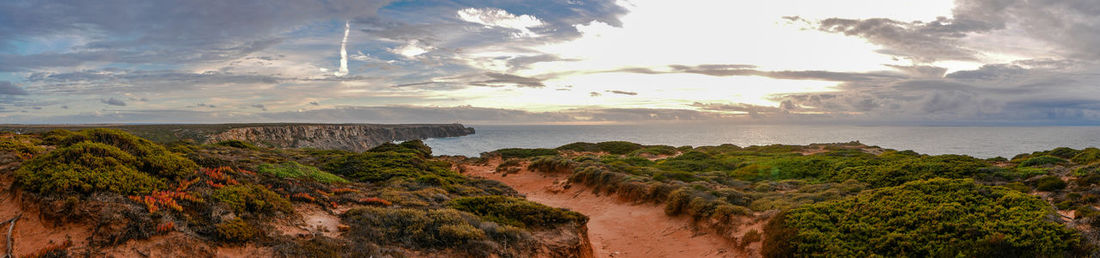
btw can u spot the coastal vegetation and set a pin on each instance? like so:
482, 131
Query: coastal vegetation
849, 199
396, 199
388, 201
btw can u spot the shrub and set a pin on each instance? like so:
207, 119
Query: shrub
525, 153
655, 150
580, 147
86, 167
937, 217
413, 228
415, 147
382, 166
237, 144
516, 212
24, 147
252, 199
236, 230
751, 237
1041, 160
1088, 155
291, 169
1050, 183
618, 147
1063, 152
551, 165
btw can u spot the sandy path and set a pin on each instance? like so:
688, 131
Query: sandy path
616, 228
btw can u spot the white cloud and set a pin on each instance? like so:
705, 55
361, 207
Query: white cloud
412, 49
492, 17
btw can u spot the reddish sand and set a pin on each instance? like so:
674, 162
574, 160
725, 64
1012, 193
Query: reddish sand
616, 228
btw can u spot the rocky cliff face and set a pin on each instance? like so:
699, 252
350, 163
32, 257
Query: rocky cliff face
352, 137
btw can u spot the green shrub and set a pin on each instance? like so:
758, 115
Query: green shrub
1088, 155
655, 150
24, 146
382, 166
525, 153
516, 212
551, 164
580, 147
937, 217
236, 230
415, 147
291, 169
413, 228
237, 144
1050, 183
1063, 152
252, 199
1041, 160
1020, 187
618, 147
86, 167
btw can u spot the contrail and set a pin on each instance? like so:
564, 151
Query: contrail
344, 51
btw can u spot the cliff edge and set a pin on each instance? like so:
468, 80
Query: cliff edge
352, 137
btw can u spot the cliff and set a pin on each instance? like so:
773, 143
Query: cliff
353, 137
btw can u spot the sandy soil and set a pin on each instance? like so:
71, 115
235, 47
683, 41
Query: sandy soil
616, 228
31, 232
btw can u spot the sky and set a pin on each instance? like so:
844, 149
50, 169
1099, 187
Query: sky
935, 62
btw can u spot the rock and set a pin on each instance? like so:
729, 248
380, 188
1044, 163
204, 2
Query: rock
351, 137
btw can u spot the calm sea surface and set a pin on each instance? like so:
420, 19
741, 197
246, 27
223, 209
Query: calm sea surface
982, 142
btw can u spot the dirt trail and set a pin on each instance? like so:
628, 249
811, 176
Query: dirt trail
616, 228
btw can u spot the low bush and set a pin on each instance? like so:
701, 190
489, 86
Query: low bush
1049, 183
237, 144
236, 230
252, 199
1086, 156
1041, 160
551, 164
291, 169
970, 220
435, 228
24, 147
382, 166
655, 150
580, 147
524, 153
516, 212
84, 168
415, 147
618, 147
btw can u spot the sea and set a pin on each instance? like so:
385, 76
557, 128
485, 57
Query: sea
981, 142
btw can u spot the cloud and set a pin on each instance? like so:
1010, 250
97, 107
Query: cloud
920, 41
7, 88
113, 102
621, 92
500, 79
594, 94
144, 32
259, 106
493, 17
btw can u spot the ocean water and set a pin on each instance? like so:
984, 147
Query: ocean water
982, 142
